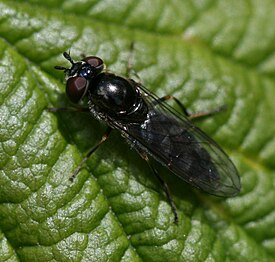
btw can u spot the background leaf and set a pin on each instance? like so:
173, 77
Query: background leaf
207, 54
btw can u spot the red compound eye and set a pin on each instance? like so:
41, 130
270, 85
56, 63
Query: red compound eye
76, 88
94, 61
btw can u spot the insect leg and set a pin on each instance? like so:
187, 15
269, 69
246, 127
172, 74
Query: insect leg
92, 150
129, 69
68, 109
185, 111
208, 113
180, 104
130, 60
163, 184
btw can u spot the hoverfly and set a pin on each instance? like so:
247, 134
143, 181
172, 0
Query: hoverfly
152, 127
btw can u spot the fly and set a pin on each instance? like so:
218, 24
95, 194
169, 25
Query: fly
153, 128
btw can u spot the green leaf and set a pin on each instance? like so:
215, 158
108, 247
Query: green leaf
207, 54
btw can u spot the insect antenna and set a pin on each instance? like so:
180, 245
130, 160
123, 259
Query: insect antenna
60, 68
65, 69
68, 57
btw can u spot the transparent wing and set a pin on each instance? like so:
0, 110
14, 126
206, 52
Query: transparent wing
187, 151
